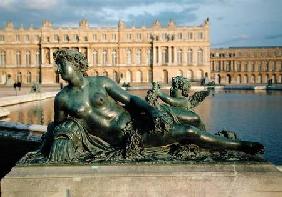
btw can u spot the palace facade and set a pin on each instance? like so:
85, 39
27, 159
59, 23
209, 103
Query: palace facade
125, 54
246, 65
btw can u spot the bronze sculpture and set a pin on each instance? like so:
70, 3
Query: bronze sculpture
96, 120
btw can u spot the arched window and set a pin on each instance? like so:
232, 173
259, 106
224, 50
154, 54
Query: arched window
128, 76
114, 57
128, 56
179, 73
190, 74
200, 57
19, 77
2, 58
27, 58
259, 79
37, 58
138, 57
105, 73
239, 79
105, 59
165, 76
95, 57
28, 77
115, 76
18, 58
245, 79
138, 76
190, 57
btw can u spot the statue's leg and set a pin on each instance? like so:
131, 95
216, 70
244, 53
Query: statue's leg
189, 134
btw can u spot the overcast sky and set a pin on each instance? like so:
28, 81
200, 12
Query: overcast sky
232, 22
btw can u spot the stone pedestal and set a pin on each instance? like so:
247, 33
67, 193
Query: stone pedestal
226, 180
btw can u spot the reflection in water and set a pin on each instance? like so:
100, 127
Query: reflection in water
254, 115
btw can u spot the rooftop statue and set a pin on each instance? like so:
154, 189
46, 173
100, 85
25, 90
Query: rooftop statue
96, 120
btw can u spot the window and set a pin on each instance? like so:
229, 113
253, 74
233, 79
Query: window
179, 56
190, 36
66, 38
19, 77
18, 58
200, 57
138, 36
95, 58
2, 38
27, 58
2, 58
37, 38
138, 56
128, 36
238, 67
37, 58
26, 38
179, 36
259, 68
48, 39
85, 38
114, 37
200, 35
105, 59
246, 67
104, 37
190, 56
28, 77
56, 37
165, 56
76, 37
149, 57
114, 58
94, 37
18, 38
128, 54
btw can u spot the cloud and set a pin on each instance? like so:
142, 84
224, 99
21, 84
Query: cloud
274, 36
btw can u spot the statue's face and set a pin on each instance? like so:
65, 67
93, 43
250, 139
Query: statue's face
66, 69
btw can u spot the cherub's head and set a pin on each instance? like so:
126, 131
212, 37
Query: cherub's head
181, 83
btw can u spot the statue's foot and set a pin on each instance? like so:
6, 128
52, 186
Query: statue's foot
252, 147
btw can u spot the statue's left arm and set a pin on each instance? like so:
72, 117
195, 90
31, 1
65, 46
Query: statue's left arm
198, 97
131, 101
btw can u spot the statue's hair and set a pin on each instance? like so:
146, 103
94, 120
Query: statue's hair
182, 84
79, 61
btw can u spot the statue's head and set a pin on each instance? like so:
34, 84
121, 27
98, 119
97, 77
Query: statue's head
181, 83
76, 58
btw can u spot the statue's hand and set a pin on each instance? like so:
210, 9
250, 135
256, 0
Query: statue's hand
62, 151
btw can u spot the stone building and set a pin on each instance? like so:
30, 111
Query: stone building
246, 65
125, 54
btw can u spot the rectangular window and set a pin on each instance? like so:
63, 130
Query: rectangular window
138, 36
200, 35
179, 36
18, 38
2, 38
190, 35
128, 36
104, 37
94, 37
56, 37
37, 38
114, 37
66, 38
26, 38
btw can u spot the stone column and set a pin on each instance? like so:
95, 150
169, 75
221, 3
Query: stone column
89, 57
184, 56
51, 56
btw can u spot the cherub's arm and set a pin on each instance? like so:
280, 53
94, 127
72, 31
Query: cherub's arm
176, 102
197, 98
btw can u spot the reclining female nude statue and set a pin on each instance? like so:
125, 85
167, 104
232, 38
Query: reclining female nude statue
96, 119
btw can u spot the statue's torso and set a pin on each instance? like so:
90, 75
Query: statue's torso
104, 117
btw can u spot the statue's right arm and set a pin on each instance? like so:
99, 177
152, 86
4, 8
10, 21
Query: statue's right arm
59, 114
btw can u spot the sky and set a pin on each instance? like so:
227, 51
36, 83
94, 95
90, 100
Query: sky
232, 22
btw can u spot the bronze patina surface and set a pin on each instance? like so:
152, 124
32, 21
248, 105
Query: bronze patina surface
97, 121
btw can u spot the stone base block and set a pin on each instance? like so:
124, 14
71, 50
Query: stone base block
226, 180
